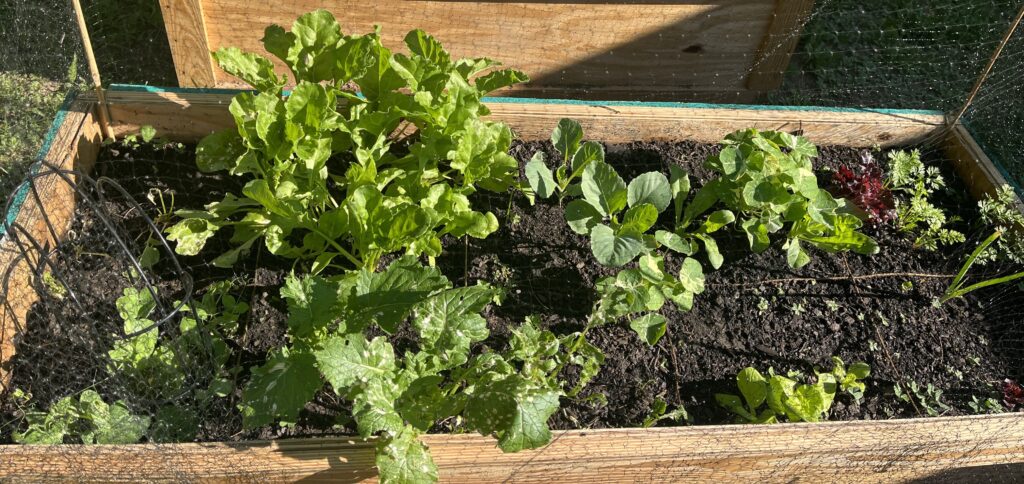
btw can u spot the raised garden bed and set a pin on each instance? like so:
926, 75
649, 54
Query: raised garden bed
710, 345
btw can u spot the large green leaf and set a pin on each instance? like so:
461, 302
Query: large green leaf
280, 388
650, 327
191, 235
581, 216
567, 137
254, 69
219, 151
639, 218
500, 79
373, 407
753, 386
450, 321
387, 297
614, 250
513, 410
111, 424
652, 188
589, 152
350, 360
312, 304
603, 188
422, 44
541, 180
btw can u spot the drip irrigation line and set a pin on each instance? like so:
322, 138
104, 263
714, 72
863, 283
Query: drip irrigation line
880, 275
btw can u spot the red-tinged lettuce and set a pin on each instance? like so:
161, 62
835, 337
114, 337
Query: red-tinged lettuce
864, 185
1013, 394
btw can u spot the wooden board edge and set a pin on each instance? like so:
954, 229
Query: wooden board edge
857, 451
190, 49
779, 42
74, 145
973, 165
187, 116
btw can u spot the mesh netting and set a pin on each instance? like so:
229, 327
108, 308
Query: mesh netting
103, 320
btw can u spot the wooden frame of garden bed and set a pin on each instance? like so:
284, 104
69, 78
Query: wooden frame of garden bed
954, 448
721, 50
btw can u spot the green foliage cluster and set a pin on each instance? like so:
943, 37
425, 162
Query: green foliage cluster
922, 397
767, 179
908, 174
87, 420
619, 218
1001, 212
767, 399
332, 173
508, 394
179, 372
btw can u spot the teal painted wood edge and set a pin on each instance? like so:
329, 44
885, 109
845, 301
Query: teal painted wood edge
22, 192
573, 102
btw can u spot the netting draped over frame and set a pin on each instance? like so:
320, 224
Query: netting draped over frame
112, 323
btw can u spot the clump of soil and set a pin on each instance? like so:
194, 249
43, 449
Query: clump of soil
756, 310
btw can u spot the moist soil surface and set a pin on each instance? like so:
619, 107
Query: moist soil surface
756, 310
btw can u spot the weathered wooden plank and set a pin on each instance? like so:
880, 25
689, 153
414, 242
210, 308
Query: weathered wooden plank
779, 43
187, 36
189, 116
972, 164
670, 50
860, 451
74, 146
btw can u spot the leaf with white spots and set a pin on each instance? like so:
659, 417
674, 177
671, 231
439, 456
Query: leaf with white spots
350, 360
280, 388
514, 410
373, 408
450, 321
402, 458
387, 297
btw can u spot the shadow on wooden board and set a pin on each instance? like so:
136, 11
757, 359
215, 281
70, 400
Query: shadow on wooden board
686, 50
996, 474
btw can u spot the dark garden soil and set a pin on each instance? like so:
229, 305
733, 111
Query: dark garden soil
756, 311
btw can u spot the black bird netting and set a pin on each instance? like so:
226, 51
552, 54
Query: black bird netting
114, 332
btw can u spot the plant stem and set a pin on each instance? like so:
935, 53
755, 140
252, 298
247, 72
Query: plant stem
341, 250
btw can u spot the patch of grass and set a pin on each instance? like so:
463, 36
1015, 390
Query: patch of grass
28, 104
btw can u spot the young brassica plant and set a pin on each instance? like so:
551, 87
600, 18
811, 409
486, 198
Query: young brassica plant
333, 329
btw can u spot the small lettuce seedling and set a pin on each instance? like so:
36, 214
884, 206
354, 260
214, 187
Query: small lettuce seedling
785, 397
618, 218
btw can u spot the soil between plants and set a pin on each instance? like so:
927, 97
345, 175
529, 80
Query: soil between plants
746, 317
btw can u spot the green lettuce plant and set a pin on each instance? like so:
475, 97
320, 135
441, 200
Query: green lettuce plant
372, 151
767, 180
334, 332
767, 399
